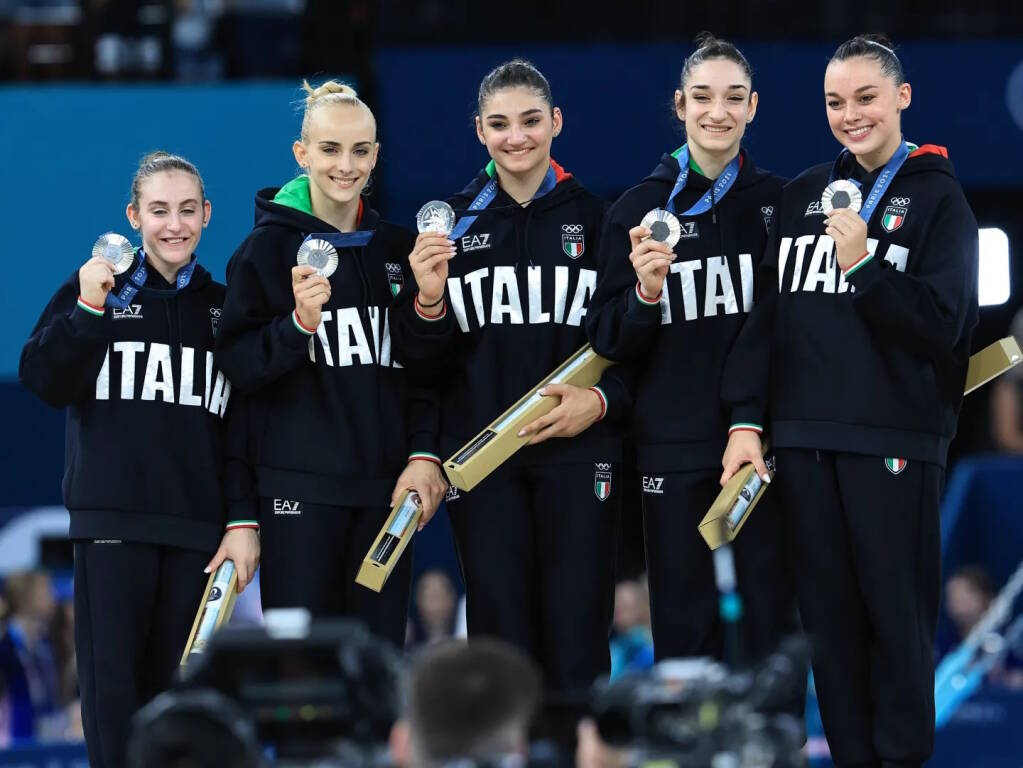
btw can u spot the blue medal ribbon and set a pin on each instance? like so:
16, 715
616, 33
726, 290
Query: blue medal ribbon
721, 186
356, 239
884, 179
489, 192
137, 279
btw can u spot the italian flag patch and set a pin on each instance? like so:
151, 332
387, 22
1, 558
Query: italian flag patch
895, 466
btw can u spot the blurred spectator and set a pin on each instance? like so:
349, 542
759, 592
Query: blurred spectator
467, 701
1007, 402
433, 610
193, 34
631, 640
27, 669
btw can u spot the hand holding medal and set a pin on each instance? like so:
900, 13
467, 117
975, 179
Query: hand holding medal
112, 254
316, 261
432, 251
841, 202
652, 254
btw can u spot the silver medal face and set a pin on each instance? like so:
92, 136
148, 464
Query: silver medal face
320, 254
841, 193
436, 216
116, 249
663, 226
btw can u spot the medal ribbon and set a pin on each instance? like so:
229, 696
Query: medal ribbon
884, 179
137, 279
355, 239
489, 192
719, 190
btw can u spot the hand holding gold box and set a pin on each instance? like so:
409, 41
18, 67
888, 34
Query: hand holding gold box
741, 493
499, 441
214, 610
389, 544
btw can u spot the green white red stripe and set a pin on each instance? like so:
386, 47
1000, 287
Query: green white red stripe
298, 324
746, 426
90, 308
646, 299
857, 264
235, 525
424, 456
603, 401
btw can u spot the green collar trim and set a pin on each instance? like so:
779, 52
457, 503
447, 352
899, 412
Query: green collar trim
295, 194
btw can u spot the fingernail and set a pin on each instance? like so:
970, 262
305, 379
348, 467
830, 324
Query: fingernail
206, 569
765, 477
522, 432
541, 392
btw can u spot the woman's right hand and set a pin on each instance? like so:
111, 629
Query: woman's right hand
744, 447
96, 280
429, 262
311, 292
651, 259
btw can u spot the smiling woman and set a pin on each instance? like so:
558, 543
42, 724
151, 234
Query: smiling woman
860, 338
335, 431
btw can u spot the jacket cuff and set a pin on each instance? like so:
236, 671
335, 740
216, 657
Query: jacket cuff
749, 417
424, 456
643, 308
615, 399
300, 326
235, 525
430, 318
864, 272
603, 401
86, 323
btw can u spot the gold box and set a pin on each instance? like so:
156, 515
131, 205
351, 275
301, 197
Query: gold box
495, 444
387, 547
718, 528
992, 361
733, 506
214, 610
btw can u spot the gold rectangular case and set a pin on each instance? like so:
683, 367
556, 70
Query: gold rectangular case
200, 636
387, 547
495, 444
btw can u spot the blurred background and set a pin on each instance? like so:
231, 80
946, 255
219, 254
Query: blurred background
88, 87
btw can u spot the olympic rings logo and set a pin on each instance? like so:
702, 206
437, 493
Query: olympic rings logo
767, 210
603, 467
215, 311
902, 202
572, 229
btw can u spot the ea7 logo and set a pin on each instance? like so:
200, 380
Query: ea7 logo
653, 485
285, 507
131, 311
451, 494
689, 230
475, 242
814, 209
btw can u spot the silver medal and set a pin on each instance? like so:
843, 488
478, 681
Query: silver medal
841, 193
116, 249
663, 226
320, 254
436, 216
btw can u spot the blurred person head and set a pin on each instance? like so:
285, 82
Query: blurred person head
968, 594
632, 606
470, 701
169, 209
436, 601
715, 99
337, 148
29, 597
192, 729
865, 92
516, 119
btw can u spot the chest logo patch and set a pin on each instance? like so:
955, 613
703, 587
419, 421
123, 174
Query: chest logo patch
895, 214
573, 242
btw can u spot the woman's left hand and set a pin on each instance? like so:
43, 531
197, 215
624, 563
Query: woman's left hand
578, 409
241, 546
849, 231
425, 478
